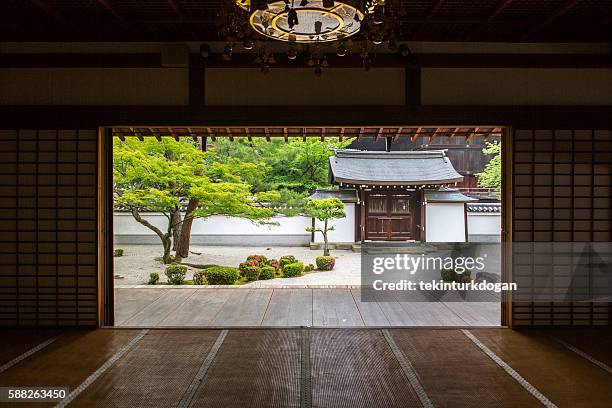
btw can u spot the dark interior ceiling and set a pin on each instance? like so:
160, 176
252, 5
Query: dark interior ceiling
194, 20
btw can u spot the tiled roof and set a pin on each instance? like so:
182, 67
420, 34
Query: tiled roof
392, 168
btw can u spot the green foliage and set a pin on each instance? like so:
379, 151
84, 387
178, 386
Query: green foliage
325, 263
285, 260
260, 259
221, 275
176, 274
199, 278
299, 166
293, 269
153, 278
251, 273
118, 253
325, 210
159, 176
491, 176
267, 272
309, 268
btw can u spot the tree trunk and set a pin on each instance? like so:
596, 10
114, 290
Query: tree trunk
167, 242
175, 219
182, 246
325, 247
166, 238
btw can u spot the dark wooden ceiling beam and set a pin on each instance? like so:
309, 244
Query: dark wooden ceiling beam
45, 6
432, 11
565, 7
123, 22
499, 8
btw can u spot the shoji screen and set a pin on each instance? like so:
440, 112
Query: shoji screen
48, 273
561, 193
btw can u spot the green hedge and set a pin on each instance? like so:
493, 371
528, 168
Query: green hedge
221, 275
293, 269
199, 278
118, 252
153, 278
176, 274
286, 260
267, 272
326, 263
251, 273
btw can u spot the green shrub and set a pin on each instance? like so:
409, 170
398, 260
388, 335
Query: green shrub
153, 278
326, 263
221, 275
251, 273
199, 278
118, 252
273, 263
260, 259
176, 274
293, 269
448, 275
285, 260
246, 265
309, 268
267, 272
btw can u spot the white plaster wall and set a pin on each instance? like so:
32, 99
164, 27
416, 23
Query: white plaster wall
444, 222
124, 224
484, 224
345, 227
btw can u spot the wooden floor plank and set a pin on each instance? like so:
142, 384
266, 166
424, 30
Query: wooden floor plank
429, 313
477, 313
371, 312
335, 307
67, 361
289, 307
563, 376
129, 302
158, 310
199, 310
244, 307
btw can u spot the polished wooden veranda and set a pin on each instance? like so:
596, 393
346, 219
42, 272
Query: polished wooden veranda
314, 367
285, 307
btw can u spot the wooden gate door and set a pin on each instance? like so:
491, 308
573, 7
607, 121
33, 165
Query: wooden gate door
389, 216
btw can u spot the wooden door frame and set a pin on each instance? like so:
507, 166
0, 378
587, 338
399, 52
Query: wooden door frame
105, 316
389, 193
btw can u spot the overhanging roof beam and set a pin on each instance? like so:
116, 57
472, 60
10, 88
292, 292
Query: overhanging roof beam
565, 7
49, 9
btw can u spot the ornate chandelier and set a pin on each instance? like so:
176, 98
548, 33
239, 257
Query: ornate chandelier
308, 25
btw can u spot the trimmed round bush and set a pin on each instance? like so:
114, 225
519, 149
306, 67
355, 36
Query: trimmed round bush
199, 278
118, 252
326, 263
308, 268
260, 259
293, 269
266, 272
285, 260
273, 263
246, 265
176, 274
221, 275
251, 273
153, 278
